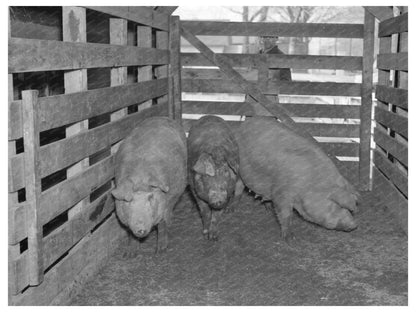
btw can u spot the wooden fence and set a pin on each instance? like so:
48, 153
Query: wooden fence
95, 73
340, 139
391, 116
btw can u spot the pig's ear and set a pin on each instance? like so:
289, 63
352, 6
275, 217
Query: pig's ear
204, 165
124, 191
345, 199
157, 183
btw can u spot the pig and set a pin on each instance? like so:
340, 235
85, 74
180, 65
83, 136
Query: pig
213, 164
150, 176
290, 172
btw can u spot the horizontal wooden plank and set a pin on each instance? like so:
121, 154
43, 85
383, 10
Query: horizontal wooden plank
62, 239
394, 147
28, 55
284, 87
59, 110
85, 259
138, 14
396, 176
392, 95
208, 28
295, 110
18, 272
280, 61
390, 197
17, 224
331, 130
63, 153
61, 197
16, 173
211, 73
392, 120
392, 61
341, 149
315, 129
393, 25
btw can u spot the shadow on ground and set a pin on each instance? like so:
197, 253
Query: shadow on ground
251, 265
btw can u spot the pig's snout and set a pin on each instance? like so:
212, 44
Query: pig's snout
346, 223
140, 233
217, 199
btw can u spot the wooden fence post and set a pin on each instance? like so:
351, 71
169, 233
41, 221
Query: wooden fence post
33, 184
175, 101
162, 38
144, 73
366, 102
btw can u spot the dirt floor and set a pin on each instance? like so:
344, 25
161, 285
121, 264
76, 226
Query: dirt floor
251, 265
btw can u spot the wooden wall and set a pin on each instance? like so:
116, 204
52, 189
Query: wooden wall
391, 116
93, 73
338, 137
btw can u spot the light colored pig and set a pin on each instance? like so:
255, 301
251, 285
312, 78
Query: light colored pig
292, 172
150, 176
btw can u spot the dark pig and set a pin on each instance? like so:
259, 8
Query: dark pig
150, 176
292, 172
213, 167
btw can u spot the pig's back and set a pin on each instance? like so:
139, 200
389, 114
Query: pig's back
272, 156
209, 133
157, 144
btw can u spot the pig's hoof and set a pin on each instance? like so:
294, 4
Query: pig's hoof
213, 236
290, 240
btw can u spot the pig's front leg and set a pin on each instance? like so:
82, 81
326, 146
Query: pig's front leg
205, 212
213, 228
162, 237
283, 206
132, 246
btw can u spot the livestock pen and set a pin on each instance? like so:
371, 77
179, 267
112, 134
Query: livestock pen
81, 78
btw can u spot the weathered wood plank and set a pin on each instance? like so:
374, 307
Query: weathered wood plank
391, 198
274, 29
380, 12
16, 173
27, 55
284, 87
82, 261
211, 73
392, 120
138, 14
366, 102
295, 110
341, 149
392, 95
389, 169
175, 66
392, 61
62, 153
66, 194
61, 240
18, 223
18, 272
280, 60
393, 25
59, 110
162, 42
33, 186
314, 129
394, 147
144, 73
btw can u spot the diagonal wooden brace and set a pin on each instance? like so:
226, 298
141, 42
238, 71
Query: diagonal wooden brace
224, 65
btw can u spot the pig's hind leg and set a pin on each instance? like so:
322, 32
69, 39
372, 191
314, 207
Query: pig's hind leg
213, 228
